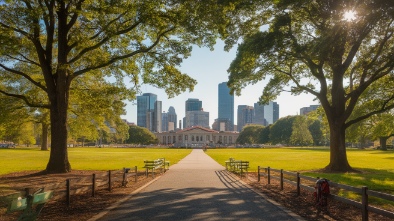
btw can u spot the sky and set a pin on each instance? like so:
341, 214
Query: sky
209, 68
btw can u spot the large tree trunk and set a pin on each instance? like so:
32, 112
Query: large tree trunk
383, 141
58, 161
338, 158
58, 94
44, 138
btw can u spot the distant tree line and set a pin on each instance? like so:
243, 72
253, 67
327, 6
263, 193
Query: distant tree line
290, 130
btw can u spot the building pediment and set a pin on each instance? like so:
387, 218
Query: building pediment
197, 129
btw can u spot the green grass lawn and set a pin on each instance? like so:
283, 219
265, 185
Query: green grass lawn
21, 159
377, 167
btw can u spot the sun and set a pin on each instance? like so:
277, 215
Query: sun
349, 15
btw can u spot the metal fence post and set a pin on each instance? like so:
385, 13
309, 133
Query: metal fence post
109, 181
258, 174
93, 184
136, 174
298, 184
281, 179
365, 203
269, 175
68, 192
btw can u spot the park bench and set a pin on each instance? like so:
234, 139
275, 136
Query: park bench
153, 165
237, 166
31, 204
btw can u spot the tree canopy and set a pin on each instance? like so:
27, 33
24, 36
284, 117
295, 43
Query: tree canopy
310, 46
47, 46
250, 134
141, 135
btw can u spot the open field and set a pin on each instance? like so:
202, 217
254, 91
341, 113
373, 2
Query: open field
376, 167
22, 159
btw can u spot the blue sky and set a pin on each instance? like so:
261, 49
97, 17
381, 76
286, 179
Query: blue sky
209, 68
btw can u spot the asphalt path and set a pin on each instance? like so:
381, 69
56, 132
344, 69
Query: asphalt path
197, 188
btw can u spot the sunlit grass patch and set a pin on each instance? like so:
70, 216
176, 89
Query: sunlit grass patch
15, 160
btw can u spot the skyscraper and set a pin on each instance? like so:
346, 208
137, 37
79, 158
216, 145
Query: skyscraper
169, 118
240, 121
193, 104
197, 118
172, 117
271, 112
259, 114
306, 110
164, 121
225, 105
145, 108
157, 117
149, 112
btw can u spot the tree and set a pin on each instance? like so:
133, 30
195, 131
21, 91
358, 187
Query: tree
316, 132
383, 128
311, 47
49, 45
16, 121
250, 134
141, 135
264, 136
281, 130
95, 109
300, 134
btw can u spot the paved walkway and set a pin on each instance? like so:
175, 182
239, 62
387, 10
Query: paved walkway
197, 188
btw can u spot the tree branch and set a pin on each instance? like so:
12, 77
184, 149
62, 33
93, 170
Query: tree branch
114, 59
38, 84
24, 98
103, 41
383, 109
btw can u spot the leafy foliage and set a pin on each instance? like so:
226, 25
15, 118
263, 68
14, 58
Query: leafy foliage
281, 130
310, 47
47, 47
250, 134
300, 135
141, 135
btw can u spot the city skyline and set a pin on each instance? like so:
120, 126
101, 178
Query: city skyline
209, 68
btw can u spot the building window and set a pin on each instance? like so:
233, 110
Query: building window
214, 139
169, 139
180, 138
208, 138
201, 138
164, 139
230, 139
173, 139
220, 139
225, 139
185, 137
192, 137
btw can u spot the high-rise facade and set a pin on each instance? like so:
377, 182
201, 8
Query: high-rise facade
145, 108
197, 118
157, 117
193, 104
306, 110
225, 106
169, 120
245, 116
164, 121
259, 114
149, 112
271, 112
172, 117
